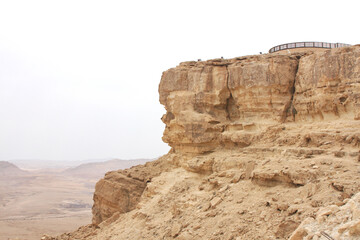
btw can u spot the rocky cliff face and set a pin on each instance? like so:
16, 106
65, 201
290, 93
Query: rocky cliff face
259, 144
327, 86
216, 103
224, 103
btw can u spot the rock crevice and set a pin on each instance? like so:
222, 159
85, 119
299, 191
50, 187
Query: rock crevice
290, 110
232, 112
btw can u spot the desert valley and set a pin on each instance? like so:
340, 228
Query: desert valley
45, 200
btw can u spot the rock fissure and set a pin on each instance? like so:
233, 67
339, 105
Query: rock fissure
290, 108
230, 107
230, 95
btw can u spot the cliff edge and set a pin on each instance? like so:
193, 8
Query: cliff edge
259, 144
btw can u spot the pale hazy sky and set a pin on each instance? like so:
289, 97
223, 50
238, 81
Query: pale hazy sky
79, 79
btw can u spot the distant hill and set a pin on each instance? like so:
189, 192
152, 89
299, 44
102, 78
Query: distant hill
37, 164
98, 169
8, 170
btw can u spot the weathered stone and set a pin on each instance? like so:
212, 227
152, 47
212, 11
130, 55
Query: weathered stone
120, 191
210, 104
115, 193
215, 201
328, 85
228, 102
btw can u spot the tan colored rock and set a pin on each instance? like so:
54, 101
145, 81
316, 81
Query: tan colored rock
285, 229
354, 228
328, 85
301, 232
120, 191
251, 156
215, 201
338, 223
115, 193
199, 165
298, 235
176, 229
217, 102
261, 89
226, 102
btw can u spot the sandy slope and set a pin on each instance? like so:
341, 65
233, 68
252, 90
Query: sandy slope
260, 192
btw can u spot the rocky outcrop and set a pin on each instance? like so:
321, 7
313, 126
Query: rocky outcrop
115, 193
218, 102
225, 103
328, 85
259, 144
120, 191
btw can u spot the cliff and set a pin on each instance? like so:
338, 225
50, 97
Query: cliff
259, 144
229, 103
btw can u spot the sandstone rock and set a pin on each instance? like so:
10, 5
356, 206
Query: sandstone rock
261, 88
339, 154
175, 230
285, 229
267, 178
324, 212
211, 103
224, 102
120, 191
215, 201
282, 206
237, 177
298, 235
336, 222
199, 165
328, 85
354, 228
301, 232
115, 193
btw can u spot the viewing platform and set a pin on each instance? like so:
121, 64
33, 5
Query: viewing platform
294, 45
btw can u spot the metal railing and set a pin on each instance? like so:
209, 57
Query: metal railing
307, 45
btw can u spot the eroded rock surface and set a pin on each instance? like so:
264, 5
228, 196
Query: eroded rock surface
120, 191
115, 193
328, 85
336, 222
217, 102
226, 103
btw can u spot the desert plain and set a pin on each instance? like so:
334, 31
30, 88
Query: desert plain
50, 201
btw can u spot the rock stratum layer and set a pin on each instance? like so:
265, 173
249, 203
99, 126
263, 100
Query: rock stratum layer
222, 103
259, 145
